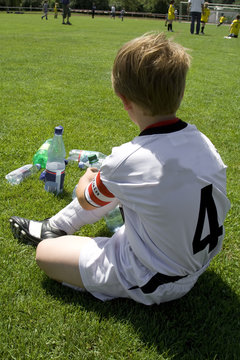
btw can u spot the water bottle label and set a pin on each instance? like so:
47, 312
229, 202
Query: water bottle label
21, 170
57, 177
16, 176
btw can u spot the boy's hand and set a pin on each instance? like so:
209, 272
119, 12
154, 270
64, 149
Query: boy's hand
90, 173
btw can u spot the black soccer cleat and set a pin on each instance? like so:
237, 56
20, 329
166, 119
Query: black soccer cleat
32, 232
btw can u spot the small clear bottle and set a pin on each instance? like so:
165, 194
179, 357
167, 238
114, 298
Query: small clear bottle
74, 195
114, 219
55, 167
17, 176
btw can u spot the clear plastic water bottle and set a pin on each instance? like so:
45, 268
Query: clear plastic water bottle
55, 167
41, 156
74, 193
17, 176
82, 155
114, 219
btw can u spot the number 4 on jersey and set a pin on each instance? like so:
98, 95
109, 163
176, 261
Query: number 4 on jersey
207, 206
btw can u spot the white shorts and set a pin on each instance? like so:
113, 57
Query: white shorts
109, 270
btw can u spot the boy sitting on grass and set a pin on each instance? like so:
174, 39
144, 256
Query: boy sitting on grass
234, 28
170, 181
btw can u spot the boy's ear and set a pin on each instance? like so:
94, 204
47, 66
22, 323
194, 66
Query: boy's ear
126, 103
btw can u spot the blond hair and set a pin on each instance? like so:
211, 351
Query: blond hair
151, 72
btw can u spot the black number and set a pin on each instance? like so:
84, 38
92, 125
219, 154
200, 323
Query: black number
207, 204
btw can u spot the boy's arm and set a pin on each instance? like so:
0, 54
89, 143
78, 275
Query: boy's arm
83, 183
91, 191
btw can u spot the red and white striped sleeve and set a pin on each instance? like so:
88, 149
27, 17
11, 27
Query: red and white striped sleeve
97, 194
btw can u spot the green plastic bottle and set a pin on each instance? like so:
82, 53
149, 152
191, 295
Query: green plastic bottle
41, 156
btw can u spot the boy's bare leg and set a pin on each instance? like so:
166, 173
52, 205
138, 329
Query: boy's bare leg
59, 258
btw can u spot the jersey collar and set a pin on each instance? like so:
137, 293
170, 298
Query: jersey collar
164, 127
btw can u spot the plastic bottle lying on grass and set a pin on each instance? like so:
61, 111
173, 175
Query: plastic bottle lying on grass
17, 176
94, 161
82, 155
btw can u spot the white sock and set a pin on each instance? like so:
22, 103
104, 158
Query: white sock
71, 218
35, 228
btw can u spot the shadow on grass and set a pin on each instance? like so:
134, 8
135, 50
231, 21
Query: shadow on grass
205, 324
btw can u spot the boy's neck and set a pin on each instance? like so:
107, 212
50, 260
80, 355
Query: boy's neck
143, 121
139, 117
161, 123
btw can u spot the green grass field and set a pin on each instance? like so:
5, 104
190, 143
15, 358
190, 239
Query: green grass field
53, 74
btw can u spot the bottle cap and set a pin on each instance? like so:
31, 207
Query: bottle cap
92, 159
81, 165
58, 130
38, 166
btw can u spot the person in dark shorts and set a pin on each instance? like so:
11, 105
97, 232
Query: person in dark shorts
45, 9
93, 10
66, 12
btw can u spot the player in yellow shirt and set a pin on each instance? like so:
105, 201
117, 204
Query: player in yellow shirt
221, 20
234, 28
171, 15
205, 16
55, 10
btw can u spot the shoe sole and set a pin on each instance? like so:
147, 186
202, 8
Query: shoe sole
20, 234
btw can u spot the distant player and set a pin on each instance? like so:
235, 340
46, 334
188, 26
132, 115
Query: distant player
45, 9
204, 17
221, 20
56, 10
171, 15
66, 12
122, 13
93, 10
234, 28
113, 12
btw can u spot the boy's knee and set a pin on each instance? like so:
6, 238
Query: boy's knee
41, 252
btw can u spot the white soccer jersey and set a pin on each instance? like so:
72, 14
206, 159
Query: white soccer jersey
171, 183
